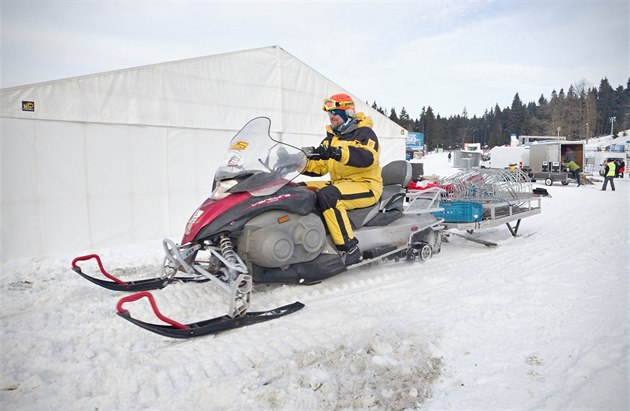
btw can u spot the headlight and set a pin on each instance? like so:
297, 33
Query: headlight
221, 189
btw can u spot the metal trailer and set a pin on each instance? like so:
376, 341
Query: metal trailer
546, 160
503, 212
505, 196
549, 177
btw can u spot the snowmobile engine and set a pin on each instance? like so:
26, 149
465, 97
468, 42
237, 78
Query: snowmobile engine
278, 238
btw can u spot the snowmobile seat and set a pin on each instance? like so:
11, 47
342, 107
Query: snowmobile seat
396, 176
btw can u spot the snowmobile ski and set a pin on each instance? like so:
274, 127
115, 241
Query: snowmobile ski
474, 240
216, 325
117, 284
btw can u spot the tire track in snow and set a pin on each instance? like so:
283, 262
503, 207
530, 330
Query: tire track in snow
222, 357
226, 357
232, 360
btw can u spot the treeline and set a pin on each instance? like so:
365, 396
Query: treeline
579, 113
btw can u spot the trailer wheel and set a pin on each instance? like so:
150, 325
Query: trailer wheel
426, 252
548, 181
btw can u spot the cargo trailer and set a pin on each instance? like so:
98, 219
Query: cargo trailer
546, 160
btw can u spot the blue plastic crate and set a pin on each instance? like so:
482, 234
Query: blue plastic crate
460, 212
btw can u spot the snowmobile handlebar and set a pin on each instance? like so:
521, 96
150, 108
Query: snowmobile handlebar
311, 153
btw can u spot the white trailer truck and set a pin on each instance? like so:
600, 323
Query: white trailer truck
546, 160
506, 157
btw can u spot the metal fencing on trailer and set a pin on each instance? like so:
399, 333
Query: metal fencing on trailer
487, 186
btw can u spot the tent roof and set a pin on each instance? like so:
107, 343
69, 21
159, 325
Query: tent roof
220, 91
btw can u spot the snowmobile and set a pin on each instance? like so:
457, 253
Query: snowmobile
260, 226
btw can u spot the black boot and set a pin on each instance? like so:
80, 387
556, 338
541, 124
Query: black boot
353, 256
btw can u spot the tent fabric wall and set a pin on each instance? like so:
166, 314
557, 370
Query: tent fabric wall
126, 156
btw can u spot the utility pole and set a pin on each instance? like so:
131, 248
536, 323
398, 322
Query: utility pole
559, 131
612, 123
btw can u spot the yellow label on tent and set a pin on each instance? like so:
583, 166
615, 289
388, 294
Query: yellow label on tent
239, 145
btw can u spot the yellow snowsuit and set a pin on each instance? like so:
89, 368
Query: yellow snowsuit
355, 180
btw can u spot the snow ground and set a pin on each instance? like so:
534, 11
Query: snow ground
540, 322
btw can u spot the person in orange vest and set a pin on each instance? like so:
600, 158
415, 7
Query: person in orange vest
609, 174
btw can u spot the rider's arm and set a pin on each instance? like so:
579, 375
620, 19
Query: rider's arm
317, 168
362, 150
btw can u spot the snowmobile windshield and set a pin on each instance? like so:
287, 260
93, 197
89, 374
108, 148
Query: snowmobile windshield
259, 164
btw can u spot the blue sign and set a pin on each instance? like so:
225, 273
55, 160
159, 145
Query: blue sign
415, 141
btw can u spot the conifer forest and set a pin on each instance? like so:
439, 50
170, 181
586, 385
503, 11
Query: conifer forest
580, 113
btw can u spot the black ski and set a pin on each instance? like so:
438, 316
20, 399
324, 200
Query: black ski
116, 284
206, 327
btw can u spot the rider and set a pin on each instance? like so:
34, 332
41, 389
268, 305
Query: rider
350, 154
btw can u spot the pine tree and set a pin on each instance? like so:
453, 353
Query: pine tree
393, 117
404, 120
439, 132
494, 127
571, 115
605, 106
619, 108
378, 108
540, 117
428, 127
591, 112
556, 105
626, 107
580, 113
516, 119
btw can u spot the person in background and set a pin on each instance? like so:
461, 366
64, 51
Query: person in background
575, 170
617, 167
350, 154
449, 156
622, 168
569, 155
609, 174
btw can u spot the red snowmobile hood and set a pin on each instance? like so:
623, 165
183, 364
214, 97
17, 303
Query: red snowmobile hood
208, 211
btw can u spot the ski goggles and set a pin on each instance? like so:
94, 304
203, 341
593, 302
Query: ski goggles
330, 105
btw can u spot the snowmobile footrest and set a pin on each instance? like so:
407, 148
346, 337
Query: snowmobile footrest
378, 251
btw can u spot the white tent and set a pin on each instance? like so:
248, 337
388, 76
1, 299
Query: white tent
126, 156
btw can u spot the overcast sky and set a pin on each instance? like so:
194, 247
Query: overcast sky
450, 55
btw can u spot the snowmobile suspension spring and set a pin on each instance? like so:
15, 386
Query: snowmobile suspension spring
227, 250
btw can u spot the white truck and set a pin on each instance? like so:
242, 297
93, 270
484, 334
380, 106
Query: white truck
546, 160
506, 157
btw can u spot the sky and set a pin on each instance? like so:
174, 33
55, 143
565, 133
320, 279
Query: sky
450, 55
